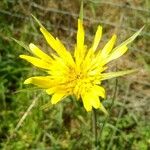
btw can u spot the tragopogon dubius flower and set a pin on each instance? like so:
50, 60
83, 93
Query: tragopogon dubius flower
81, 74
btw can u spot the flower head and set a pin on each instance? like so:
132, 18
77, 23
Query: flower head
79, 74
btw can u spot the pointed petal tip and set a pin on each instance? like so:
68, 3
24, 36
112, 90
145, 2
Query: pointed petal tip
79, 19
28, 81
31, 46
21, 56
104, 96
100, 27
53, 103
80, 22
115, 36
42, 29
88, 110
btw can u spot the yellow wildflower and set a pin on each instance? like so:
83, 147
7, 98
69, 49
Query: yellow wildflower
81, 74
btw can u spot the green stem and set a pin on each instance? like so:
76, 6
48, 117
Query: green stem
94, 122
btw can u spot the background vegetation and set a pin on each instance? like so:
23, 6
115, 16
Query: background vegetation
67, 125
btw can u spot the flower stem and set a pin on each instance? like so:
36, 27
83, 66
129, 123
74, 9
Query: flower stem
94, 124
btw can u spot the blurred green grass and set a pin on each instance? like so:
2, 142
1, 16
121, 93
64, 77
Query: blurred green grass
67, 125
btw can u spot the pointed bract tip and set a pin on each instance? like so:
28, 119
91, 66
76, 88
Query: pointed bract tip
142, 28
102, 108
139, 31
37, 21
132, 71
81, 14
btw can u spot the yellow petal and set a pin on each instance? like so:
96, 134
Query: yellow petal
122, 48
51, 90
40, 81
79, 49
54, 43
116, 54
99, 91
108, 47
57, 97
97, 38
57, 46
86, 102
110, 75
91, 98
36, 61
49, 38
95, 102
90, 53
80, 35
79, 58
63, 53
39, 53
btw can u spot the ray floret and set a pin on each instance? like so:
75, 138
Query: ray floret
80, 74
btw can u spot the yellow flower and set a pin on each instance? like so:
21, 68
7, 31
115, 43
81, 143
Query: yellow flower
81, 74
